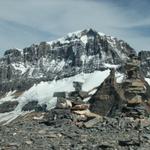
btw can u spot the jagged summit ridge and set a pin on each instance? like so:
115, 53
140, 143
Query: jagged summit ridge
78, 35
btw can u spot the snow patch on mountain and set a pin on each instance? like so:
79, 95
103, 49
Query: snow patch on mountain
84, 39
119, 77
43, 92
8, 97
101, 34
110, 66
20, 67
64, 40
147, 80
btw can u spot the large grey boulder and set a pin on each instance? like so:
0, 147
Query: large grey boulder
8, 106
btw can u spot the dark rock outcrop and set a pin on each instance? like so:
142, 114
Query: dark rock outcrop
34, 106
8, 106
106, 101
145, 63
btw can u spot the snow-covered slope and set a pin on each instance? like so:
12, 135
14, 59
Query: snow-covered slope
43, 92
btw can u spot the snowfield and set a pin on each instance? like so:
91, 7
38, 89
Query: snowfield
43, 92
147, 80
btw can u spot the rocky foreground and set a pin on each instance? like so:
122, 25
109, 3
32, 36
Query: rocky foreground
61, 129
75, 124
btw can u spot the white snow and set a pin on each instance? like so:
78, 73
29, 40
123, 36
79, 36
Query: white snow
64, 40
119, 77
21, 50
75, 36
87, 99
8, 97
77, 33
147, 80
111, 66
10, 116
20, 67
43, 92
84, 39
83, 58
93, 92
61, 40
94, 79
101, 34
31, 72
38, 118
60, 65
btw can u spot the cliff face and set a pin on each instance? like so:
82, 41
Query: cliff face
83, 51
145, 62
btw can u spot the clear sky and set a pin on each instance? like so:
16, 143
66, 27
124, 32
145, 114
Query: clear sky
24, 22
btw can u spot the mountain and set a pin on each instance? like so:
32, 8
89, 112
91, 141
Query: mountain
30, 77
145, 62
63, 89
83, 51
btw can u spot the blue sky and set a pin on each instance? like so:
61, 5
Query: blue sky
23, 22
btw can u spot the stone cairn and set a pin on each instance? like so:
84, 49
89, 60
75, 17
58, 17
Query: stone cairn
129, 98
134, 88
111, 99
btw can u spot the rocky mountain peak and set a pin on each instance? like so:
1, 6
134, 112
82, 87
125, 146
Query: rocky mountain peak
82, 51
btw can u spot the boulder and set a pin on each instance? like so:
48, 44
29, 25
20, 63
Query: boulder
30, 106
60, 94
8, 106
129, 142
63, 103
87, 113
57, 117
33, 105
107, 99
92, 122
80, 107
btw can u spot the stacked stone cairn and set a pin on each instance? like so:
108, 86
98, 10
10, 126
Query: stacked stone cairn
130, 98
134, 89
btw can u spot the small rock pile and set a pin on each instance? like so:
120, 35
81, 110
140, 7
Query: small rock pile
135, 90
72, 112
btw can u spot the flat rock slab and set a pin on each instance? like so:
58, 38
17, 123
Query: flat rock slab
92, 122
